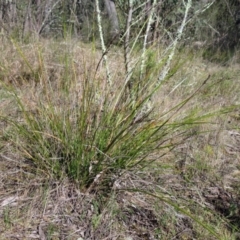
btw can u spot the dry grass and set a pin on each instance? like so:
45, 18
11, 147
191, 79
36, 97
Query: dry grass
200, 176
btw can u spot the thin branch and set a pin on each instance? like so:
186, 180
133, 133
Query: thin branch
166, 68
126, 45
103, 46
47, 16
150, 21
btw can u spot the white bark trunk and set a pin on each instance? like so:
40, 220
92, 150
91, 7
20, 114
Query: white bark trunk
112, 13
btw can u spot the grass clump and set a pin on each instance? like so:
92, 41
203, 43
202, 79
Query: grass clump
97, 158
87, 132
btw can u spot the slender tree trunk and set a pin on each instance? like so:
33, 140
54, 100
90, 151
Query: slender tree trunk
74, 18
147, 10
27, 25
156, 29
147, 36
166, 68
9, 12
113, 18
1, 12
127, 47
38, 15
104, 50
13, 10
47, 15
